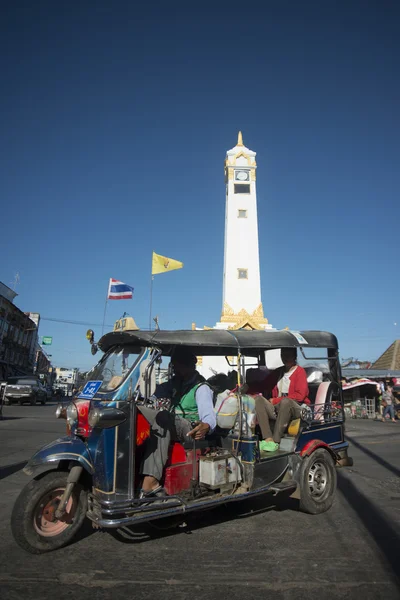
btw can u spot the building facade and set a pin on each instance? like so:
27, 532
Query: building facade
42, 364
18, 337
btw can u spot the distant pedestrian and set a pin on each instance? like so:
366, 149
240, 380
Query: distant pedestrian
388, 402
380, 387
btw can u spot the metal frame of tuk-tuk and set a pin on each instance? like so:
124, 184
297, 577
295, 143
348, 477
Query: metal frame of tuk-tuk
124, 509
114, 500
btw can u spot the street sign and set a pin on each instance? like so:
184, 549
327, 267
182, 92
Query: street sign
90, 389
47, 341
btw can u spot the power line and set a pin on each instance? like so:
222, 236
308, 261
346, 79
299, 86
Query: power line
73, 322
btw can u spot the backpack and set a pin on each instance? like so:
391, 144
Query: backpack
220, 383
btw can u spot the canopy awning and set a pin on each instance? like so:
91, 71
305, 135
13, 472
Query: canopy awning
219, 342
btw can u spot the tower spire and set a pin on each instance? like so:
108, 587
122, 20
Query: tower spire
240, 139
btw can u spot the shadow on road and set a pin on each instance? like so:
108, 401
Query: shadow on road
84, 532
375, 457
186, 524
374, 521
10, 469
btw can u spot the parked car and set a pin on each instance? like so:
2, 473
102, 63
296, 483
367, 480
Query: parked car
25, 389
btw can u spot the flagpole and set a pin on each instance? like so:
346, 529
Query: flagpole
151, 299
105, 308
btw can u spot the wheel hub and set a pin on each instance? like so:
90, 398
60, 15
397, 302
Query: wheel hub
317, 480
49, 511
45, 522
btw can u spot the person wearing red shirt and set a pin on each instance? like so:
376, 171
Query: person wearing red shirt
289, 390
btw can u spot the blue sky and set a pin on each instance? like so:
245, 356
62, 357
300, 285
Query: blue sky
115, 120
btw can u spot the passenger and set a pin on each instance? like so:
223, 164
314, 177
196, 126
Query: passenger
256, 381
289, 390
221, 381
191, 402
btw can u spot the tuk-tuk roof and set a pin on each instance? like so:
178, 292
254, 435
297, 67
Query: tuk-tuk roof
220, 342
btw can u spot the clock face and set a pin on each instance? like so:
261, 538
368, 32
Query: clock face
242, 175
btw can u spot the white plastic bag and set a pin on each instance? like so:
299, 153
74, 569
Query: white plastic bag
226, 408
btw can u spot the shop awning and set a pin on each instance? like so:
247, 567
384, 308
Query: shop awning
357, 383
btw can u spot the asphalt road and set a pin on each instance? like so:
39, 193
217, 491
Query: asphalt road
250, 549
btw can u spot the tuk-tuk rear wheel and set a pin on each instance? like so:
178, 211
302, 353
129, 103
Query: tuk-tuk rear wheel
317, 482
33, 521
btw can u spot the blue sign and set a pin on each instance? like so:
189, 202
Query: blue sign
90, 389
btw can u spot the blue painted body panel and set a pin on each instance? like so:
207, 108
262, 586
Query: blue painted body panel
103, 443
331, 434
67, 448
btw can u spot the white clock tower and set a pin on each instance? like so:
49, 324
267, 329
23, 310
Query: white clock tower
241, 300
241, 297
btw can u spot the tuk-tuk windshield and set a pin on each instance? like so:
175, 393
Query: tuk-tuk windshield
115, 366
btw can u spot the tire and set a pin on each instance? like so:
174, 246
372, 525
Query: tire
29, 526
21, 402
317, 482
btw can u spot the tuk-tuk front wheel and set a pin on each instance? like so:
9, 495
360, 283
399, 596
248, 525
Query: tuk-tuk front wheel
33, 521
317, 482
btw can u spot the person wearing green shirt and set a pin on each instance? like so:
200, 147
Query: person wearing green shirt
191, 416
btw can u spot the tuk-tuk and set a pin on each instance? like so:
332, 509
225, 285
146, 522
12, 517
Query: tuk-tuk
95, 471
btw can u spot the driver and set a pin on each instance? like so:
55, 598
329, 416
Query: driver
191, 402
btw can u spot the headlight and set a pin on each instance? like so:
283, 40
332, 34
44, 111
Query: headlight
94, 416
72, 414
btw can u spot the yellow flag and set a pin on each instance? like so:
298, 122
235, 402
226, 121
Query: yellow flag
161, 264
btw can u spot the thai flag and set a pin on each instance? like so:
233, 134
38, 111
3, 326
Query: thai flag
118, 290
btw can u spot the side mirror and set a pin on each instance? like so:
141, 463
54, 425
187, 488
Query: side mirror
151, 376
94, 349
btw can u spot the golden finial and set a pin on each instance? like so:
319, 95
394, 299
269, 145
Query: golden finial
240, 139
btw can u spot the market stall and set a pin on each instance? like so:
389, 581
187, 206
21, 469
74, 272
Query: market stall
360, 396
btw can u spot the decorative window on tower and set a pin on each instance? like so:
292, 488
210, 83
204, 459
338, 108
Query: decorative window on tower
242, 274
241, 188
242, 214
